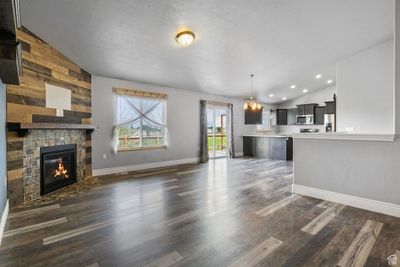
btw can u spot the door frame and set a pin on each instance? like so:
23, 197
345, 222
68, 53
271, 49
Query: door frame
214, 108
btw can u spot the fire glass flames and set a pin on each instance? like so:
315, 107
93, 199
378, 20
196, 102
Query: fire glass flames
61, 171
57, 167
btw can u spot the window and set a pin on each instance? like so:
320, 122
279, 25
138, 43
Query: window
141, 122
267, 124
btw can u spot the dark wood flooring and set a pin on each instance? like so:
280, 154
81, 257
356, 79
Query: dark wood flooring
237, 212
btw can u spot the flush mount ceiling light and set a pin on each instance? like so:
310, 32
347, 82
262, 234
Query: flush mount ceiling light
284, 98
271, 95
293, 86
251, 103
305, 90
185, 38
329, 81
318, 76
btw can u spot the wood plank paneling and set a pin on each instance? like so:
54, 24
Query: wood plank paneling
26, 103
14, 174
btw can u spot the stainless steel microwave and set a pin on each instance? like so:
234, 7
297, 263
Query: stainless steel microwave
305, 119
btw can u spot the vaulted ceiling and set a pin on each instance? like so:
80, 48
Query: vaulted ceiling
282, 42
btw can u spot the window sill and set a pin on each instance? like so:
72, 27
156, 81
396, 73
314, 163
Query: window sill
142, 148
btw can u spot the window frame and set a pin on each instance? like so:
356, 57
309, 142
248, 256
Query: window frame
163, 128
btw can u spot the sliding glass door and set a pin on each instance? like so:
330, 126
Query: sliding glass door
216, 129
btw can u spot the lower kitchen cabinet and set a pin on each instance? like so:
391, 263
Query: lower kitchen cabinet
277, 148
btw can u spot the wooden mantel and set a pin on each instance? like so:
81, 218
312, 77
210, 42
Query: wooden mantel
23, 129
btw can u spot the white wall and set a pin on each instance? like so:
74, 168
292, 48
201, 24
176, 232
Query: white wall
369, 102
365, 169
365, 88
397, 67
183, 118
3, 153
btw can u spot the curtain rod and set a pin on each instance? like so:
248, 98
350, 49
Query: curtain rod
217, 103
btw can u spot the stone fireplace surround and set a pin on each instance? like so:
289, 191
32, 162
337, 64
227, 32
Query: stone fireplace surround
31, 156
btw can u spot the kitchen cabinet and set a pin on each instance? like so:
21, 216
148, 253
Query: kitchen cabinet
281, 116
306, 109
319, 115
268, 147
310, 109
330, 107
249, 147
301, 109
253, 117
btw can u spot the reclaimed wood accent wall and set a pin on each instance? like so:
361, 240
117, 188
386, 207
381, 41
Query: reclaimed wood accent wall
138, 93
26, 102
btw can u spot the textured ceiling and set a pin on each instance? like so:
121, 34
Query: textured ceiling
282, 42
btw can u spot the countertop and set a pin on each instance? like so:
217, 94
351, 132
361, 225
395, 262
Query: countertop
268, 135
328, 136
346, 136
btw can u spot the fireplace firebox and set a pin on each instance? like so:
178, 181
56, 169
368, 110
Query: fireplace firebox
57, 167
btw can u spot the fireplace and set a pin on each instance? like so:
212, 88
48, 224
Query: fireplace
57, 167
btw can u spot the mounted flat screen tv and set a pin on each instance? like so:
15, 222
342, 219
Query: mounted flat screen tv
253, 116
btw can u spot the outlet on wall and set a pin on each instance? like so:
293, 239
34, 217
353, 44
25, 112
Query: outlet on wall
104, 156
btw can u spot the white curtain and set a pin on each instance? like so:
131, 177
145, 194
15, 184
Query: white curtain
133, 110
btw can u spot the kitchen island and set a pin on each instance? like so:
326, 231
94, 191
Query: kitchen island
268, 146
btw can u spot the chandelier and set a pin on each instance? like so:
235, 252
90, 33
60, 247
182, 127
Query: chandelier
252, 103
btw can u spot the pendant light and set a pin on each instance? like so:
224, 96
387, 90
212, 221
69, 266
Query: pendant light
252, 103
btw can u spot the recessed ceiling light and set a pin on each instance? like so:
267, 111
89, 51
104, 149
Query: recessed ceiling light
305, 90
293, 86
284, 98
271, 95
185, 38
318, 76
329, 81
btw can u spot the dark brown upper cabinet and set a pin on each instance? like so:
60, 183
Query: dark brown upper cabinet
310, 109
301, 109
253, 116
306, 109
331, 107
281, 116
319, 115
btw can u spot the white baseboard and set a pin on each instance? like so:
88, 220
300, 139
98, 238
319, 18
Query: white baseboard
138, 167
238, 154
349, 200
3, 221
